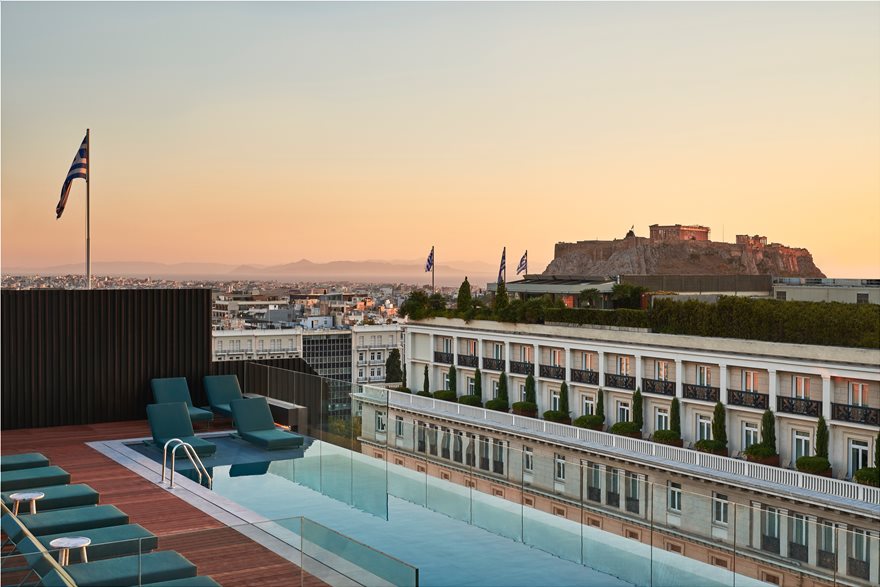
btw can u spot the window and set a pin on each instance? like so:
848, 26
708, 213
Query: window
622, 411
662, 418
236, 345
219, 345
525, 354
380, 421
771, 522
471, 453
673, 497
522, 391
594, 482
360, 341
398, 426
494, 389
858, 455
472, 347
361, 372
445, 442
528, 459
560, 468
554, 400
704, 427
250, 345
497, 351
471, 386
556, 357
750, 381
613, 481
661, 370
800, 444
704, 375
859, 545
861, 298
586, 361
799, 529
261, 346
623, 365
826, 536
457, 443
780, 295
632, 486
498, 456
800, 387
750, 434
432, 440
719, 508
446, 380
484, 453
589, 405
858, 394
447, 345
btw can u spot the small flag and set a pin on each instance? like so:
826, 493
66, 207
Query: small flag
523, 266
503, 265
79, 169
429, 264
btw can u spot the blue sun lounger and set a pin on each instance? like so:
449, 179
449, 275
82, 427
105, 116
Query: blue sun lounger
253, 419
221, 390
36, 477
59, 496
28, 460
175, 389
169, 421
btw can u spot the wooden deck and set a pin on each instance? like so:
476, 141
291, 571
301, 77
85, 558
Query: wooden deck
229, 557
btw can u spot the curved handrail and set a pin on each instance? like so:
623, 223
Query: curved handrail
193, 457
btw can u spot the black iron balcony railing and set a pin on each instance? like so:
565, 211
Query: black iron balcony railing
859, 414
748, 399
658, 386
704, 393
620, 381
594, 494
612, 499
522, 368
468, 360
585, 376
498, 467
493, 364
858, 568
796, 405
797, 551
551, 371
632, 505
826, 559
770, 543
441, 357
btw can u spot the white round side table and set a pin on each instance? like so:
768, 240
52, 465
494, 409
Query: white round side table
31, 496
68, 542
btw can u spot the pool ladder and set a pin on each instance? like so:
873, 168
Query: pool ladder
190, 454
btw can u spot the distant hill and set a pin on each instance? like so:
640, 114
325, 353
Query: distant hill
641, 256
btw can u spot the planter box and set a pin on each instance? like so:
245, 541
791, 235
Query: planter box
678, 442
825, 473
631, 434
529, 413
720, 452
772, 460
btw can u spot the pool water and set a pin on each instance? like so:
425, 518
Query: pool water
452, 534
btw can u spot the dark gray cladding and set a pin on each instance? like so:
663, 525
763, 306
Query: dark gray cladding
81, 357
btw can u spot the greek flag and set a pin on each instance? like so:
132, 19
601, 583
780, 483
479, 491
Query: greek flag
523, 266
429, 264
503, 265
79, 169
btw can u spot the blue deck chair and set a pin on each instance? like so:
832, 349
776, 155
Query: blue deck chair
169, 421
254, 423
28, 460
221, 390
175, 389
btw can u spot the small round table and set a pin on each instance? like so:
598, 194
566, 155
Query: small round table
68, 542
31, 496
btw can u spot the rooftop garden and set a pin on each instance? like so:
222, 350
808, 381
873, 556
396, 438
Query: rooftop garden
816, 323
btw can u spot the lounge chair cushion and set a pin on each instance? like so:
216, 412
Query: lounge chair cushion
27, 460
37, 477
70, 520
58, 496
127, 570
221, 390
110, 541
254, 423
171, 420
175, 389
197, 581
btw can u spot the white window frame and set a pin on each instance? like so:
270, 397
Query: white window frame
587, 361
497, 351
800, 444
623, 408
446, 380
589, 404
525, 354
554, 400
447, 345
380, 422
622, 365
704, 427
750, 381
522, 391
559, 468
800, 387
770, 523
799, 529
471, 386
704, 375
854, 447
720, 509
556, 357
826, 536
673, 497
750, 434
859, 541
858, 393
661, 418
528, 459
494, 389
398, 426
661, 370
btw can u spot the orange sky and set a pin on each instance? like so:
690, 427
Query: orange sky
266, 133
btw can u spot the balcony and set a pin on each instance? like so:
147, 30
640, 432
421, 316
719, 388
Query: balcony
493, 364
468, 361
858, 568
551, 372
441, 357
857, 414
798, 551
594, 494
658, 386
632, 505
620, 381
796, 405
522, 368
748, 399
612, 499
585, 376
770, 543
704, 393
826, 559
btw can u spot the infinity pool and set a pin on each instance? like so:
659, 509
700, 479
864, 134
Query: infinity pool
452, 534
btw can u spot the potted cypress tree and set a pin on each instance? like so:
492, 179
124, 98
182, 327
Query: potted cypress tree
593, 421
501, 403
672, 437
633, 428
449, 395
426, 385
476, 398
818, 464
718, 444
563, 414
528, 407
764, 452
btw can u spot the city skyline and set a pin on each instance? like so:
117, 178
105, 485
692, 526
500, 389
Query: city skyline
268, 133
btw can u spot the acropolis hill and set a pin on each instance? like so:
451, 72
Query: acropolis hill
681, 250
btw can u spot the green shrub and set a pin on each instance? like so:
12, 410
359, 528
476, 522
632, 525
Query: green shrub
638, 410
719, 425
453, 380
868, 476
530, 389
592, 421
813, 465
404, 389
625, 428
600, 404
471, 400
675, 416
447, 395
499, 405
760, 450
663, 436
768, 429
712, 446
531, 407
556, 416
502, 387
563, 399
822, 438
424, 394
627, 318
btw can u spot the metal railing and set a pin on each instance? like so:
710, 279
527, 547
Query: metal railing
441, 357
700, 392
658, 386
522, 367
190, 454
468, 361
748, 399
551, 371
620, 381
857, 414
796, 405
585, 376
493, 364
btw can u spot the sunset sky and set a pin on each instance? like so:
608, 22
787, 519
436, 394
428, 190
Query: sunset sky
267, 133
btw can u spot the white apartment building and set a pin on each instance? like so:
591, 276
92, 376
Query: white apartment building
798, 382
239, 345
370, 347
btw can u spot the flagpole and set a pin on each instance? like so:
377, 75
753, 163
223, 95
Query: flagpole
433, 264
504, 254
88, 227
